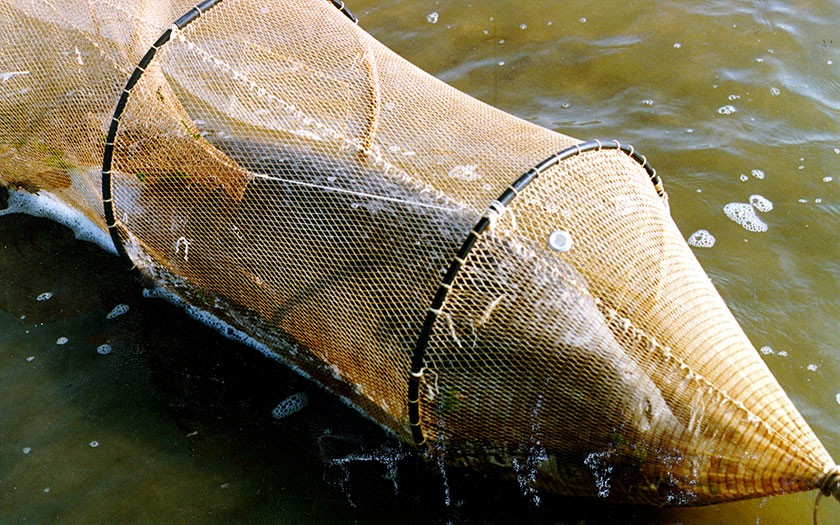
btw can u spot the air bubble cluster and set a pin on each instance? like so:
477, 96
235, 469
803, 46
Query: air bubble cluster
117, 311
760, 203
744, 214
701, 239
292, 404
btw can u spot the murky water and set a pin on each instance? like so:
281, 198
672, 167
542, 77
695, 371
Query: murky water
737, 105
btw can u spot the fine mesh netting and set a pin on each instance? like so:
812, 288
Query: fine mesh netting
431, 259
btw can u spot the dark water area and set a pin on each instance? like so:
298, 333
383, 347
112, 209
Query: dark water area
729, 100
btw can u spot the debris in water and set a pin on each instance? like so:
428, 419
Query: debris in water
44, 296
701, 239
117, 311
292, 404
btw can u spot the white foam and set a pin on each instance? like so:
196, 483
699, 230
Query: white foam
760, 203
62, 341
49, 206
766, 350
744, 214
118, 310
44, 296
758, 174
291, 405
103, 349
812, 367
701, 239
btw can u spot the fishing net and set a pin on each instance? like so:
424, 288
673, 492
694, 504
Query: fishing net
509, 298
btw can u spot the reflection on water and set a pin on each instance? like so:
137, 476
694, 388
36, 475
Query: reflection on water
733, 102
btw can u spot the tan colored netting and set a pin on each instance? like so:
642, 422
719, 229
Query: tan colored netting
278, 168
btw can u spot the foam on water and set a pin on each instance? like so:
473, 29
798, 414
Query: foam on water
62, 341
46, 296
103, 349
744, 214
701, 239
48, 206
760, 203
117, 311
291, 405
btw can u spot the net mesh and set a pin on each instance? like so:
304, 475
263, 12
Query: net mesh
275, 166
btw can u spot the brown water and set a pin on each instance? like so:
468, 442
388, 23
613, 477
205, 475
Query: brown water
728, 99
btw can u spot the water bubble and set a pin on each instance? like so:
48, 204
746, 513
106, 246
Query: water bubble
117, 311
647, 102
783, 353
726, 110
432, 17
30, 358
701, 239
744, 214
597, 463
734, 97
828, 179
766, 350
501, 63
93, 444
292, 404
46, 490
61, 341
760, 203
560, 241
775, 91
837, 151
758, 174
103, 349
837, 398
818, 201
27, 450
812, 367
744, 177
44, 296
677, 45
523, 27
582, 20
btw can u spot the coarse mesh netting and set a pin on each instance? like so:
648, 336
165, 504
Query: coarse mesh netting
277, 167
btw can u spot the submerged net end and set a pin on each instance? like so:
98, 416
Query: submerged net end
830, 485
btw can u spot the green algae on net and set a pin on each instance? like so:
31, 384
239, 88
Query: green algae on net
389, 237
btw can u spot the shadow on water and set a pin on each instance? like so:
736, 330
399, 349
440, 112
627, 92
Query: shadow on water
175, 423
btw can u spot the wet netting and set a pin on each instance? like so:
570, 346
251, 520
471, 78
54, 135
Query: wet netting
510, 299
